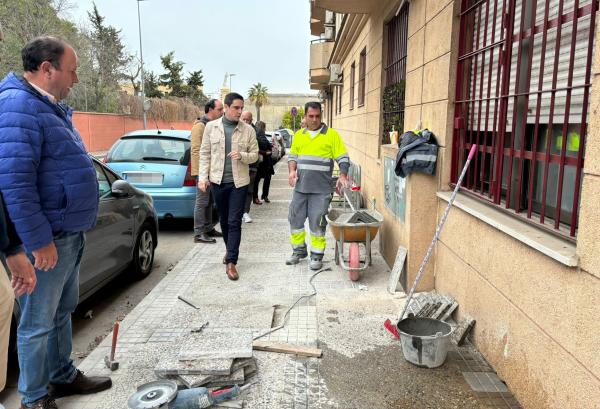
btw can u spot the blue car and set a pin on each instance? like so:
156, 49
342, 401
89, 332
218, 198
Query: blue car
157, 162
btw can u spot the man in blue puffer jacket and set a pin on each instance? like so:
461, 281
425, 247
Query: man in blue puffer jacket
50, 189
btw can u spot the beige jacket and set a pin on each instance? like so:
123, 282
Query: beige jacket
212, 153
196, 141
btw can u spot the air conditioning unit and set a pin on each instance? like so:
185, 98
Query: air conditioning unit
335, 74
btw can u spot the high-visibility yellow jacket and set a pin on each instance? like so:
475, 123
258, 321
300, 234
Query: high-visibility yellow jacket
315, 156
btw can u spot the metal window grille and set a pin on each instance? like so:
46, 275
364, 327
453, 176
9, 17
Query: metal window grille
362, 73
352, 82
522, 95
395, 74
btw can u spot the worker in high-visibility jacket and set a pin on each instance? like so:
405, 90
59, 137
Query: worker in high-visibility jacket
310, 165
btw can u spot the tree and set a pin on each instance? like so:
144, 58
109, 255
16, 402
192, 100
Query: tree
151, 84
172, 78
289, 122
23, 20
258, 95
195, 82
109, 62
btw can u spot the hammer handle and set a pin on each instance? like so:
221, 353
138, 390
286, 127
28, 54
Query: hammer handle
114, 340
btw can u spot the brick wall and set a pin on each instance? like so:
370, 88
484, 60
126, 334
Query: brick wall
100, 131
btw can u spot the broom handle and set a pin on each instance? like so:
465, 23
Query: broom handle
438, 231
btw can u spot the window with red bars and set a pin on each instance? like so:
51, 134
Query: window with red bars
362, 73
352, 82
522, 95
396, 31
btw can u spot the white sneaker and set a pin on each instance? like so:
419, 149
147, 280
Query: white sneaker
246, 218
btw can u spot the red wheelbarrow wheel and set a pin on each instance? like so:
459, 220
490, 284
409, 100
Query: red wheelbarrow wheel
354, 261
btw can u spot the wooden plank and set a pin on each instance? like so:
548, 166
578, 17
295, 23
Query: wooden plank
286, 348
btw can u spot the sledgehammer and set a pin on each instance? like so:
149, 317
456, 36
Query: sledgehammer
110, 361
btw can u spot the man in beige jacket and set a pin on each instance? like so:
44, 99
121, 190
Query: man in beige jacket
204, 226
228, 147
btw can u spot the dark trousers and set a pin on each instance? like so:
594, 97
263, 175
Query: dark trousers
250, 194
230, 203
266, 184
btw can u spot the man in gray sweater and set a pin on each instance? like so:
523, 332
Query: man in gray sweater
228, 147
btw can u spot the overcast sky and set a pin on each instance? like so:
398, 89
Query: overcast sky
263, 41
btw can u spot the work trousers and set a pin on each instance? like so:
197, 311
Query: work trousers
7, 301
230, 202
315, 206
44, 337
203, 220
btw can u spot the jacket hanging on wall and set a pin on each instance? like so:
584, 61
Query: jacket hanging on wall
418, 153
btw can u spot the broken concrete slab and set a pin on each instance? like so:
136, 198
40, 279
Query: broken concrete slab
194, 381
236, 378
216, 344
174, 366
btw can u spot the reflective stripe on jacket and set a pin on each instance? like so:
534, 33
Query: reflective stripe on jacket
315, 157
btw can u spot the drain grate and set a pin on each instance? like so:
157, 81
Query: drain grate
485, 382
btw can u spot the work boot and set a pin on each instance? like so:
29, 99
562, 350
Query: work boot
215, 233
81, 385
204, 238
315, 263
296, 257
45, 403
231, 271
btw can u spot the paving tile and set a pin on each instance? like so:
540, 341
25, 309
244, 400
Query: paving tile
221, 343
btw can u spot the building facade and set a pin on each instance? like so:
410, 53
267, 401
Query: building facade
521, 248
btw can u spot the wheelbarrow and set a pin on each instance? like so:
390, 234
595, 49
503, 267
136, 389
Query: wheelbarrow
353, 233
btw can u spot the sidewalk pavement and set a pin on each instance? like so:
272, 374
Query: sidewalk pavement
362, 366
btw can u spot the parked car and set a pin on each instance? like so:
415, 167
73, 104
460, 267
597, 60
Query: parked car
158, 162
123, 240
278, 150
286, 135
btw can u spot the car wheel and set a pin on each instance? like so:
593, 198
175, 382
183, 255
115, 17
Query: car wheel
143, 253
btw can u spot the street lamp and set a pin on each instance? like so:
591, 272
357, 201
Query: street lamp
144, 105
230, 75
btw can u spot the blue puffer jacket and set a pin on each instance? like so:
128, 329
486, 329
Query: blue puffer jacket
47, 179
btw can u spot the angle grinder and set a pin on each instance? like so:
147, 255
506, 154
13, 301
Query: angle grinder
163, 394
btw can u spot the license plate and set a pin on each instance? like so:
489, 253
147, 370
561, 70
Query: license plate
146, 178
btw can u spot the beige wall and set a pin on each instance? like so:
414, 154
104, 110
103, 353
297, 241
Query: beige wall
538, 321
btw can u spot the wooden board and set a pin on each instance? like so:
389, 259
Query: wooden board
287, 348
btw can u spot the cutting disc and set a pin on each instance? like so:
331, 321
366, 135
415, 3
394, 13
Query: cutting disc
153, 395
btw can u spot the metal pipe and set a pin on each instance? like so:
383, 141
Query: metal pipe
141, 64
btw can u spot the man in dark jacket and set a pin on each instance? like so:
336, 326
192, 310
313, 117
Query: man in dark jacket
49, 185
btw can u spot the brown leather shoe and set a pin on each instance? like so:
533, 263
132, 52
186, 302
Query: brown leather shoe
82, 385
44, 403
231, 271
257, 202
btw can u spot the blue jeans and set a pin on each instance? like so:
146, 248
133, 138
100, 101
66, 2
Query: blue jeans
230, 202
44, 334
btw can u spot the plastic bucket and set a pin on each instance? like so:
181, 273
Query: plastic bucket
425, 341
